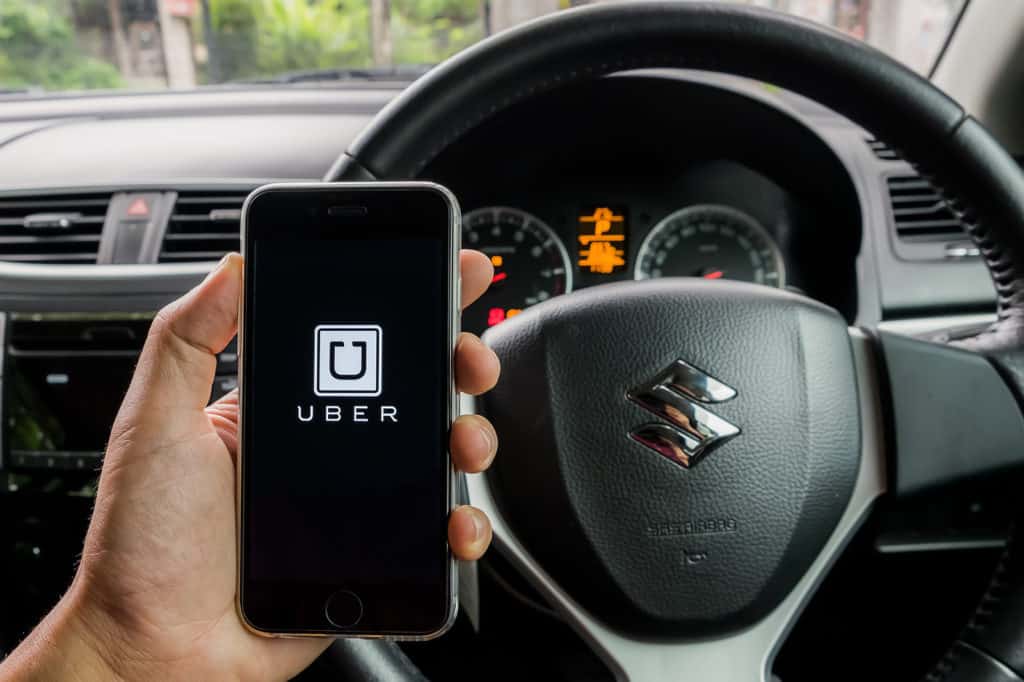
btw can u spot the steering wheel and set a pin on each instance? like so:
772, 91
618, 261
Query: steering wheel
778, 426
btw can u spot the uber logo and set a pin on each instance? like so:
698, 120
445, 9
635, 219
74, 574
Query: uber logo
346, 360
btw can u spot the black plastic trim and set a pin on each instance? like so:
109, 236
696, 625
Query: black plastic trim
953, 416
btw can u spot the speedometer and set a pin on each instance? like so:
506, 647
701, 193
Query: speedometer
530, 262
713, 242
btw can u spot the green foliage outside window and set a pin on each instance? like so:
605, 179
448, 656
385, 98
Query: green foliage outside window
241, 39
254, 38
38, 49
429, 31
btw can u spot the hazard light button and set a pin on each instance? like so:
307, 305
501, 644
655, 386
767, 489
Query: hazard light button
138, 208
130, 235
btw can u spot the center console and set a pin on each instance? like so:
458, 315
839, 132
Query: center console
62, 379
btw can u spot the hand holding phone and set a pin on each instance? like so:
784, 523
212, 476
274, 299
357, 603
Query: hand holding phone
165, 512
350, 318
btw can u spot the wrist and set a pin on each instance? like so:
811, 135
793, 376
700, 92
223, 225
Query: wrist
69, 644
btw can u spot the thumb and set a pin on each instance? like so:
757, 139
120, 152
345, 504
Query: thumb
178, 360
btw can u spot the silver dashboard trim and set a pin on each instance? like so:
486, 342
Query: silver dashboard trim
884, 546
924, 325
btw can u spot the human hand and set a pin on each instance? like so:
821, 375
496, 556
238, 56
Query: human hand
154, 594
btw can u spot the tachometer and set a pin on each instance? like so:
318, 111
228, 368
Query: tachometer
530, 262
713, 242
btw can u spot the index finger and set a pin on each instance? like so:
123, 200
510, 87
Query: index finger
477, 272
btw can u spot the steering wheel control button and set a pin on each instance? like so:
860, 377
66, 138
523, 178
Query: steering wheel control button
344, 609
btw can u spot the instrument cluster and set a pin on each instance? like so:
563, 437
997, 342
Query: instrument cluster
533, 262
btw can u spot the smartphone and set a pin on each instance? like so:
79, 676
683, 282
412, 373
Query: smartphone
347, 332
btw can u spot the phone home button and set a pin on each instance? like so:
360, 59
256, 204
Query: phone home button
343, 609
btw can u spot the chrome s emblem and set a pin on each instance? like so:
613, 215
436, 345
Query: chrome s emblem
676, 395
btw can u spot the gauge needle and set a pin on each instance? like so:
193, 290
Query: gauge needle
714, 274
498, 276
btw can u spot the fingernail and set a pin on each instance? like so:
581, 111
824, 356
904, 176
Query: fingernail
487, 438
479, 525
218, 267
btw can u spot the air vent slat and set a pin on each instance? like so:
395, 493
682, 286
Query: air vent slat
900, 184
945, 225
914, 198
203, 226
190, 256
44, 203
65, 258
55, 239
202, 235
882, 150
52, 228
919, 212
19, 223
228, 200
185, 218
930, 209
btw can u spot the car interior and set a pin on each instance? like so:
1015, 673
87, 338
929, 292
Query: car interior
832, 497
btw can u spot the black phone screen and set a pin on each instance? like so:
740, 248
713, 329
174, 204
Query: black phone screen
345, 410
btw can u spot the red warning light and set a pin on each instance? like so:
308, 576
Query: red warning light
495, 316
138, 208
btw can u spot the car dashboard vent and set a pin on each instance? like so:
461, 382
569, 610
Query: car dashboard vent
52, 228
882, 150
920, 213
203, 226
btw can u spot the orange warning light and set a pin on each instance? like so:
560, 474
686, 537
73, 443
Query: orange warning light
602, 218
512, 312
597, 232
602, 257
497, 261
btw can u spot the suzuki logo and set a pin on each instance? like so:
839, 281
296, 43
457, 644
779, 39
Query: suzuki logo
674, 395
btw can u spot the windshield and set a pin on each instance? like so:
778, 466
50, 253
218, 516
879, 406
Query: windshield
69, 45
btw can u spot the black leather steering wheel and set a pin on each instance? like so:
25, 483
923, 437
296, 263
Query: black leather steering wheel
698, 571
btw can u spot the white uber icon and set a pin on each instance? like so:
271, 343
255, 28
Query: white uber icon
346, 359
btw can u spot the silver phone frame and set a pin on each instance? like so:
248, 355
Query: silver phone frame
454, 328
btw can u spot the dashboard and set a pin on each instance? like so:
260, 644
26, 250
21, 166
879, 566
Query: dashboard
111, 206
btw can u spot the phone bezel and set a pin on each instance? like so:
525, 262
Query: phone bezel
452, 405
